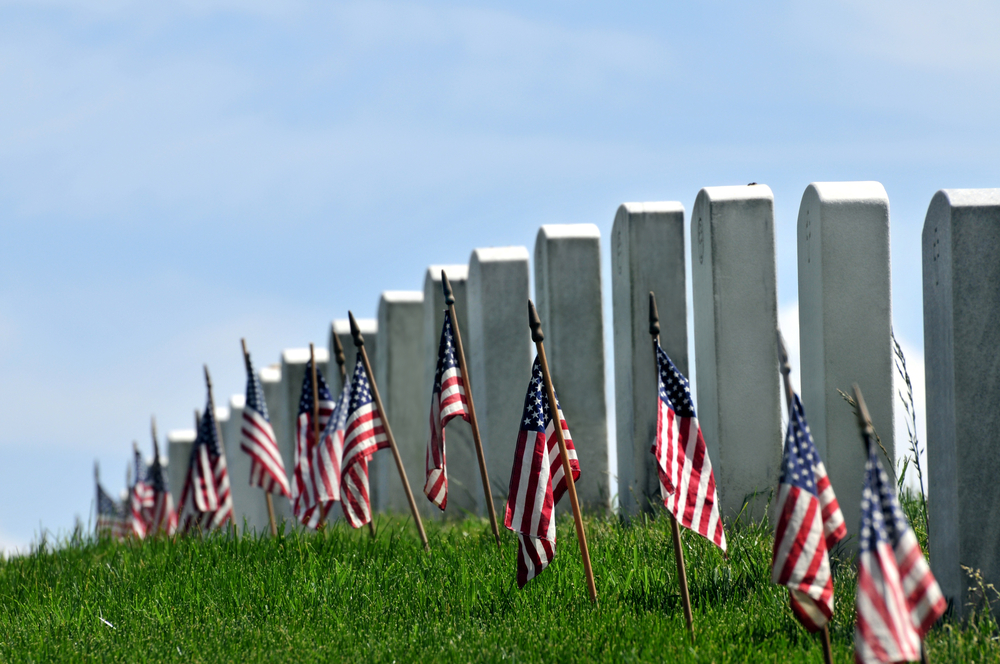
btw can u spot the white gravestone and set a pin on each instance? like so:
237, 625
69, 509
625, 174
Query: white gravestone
179, 442
845, 328
465, 486
499, 354
273, 386
733, 275
399, 372
293, 372
647, 254
569, 301
961, 257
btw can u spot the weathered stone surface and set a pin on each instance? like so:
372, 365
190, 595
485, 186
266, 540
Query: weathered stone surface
465, 487
179, 442
499, 353
273, 386
733, 277
845, 327
341, 327
399, 372
647, 254
569, 300
961, 257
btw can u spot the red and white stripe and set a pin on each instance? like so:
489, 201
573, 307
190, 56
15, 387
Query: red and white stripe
687, 483
363, 436
206, 501
141, 503
537, 482
898, 601
447, 403
267, 470
162, 515
808, 527
311, 483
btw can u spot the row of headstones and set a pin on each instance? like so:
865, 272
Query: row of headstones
845, 323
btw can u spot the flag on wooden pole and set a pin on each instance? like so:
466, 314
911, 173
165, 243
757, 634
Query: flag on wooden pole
161, 517
206, 500
113, 519
267, 469
313, 459
141, 497
810, 523
448, 401
898, 597
364, 435
687, 483
537, 480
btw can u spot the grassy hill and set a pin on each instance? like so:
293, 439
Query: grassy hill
338, 596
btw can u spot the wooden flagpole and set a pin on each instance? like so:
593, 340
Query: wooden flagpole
359, 341
449, 299
267, 494
338, 350
538, 337
654, 331
786, 370
315, 426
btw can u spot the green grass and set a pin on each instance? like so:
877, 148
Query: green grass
338, 596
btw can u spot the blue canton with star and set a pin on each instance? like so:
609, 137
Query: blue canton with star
674, 388
537, 413
798, 467
446, 351
361, 391
255, 395
306, 400
882, 520
156, 477
208, 433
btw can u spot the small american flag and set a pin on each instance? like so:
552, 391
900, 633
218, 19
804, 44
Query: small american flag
161, 516
140, 497
112, 519
206, 501
332, 448
313, 467
898, 598
267, 470
809, 525
363, 436
537, 480
447, 402
687, 484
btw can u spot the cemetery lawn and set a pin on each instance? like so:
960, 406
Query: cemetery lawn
338, 596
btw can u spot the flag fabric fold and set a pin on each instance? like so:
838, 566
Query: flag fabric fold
206, 501
113, 519
537, 480
364, 434
267, 470
687, 484
314, 466
810, 523
160, 517
448, 401
898, 597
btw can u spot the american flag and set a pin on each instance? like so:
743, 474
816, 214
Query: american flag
311, 483
898, 598
809, 525
537, 480
363, 436
267, 470
333, 444
140, 497
112, 518
447, 401
687, 484
161, 516
206, 501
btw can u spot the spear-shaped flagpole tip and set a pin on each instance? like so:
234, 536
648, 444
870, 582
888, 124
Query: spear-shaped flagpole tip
654, 316
208, 378
535, 323
338, 350
786, 367
97, 471
864, 419
359, 340
449, 296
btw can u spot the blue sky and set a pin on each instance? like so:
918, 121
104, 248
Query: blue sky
175, 177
